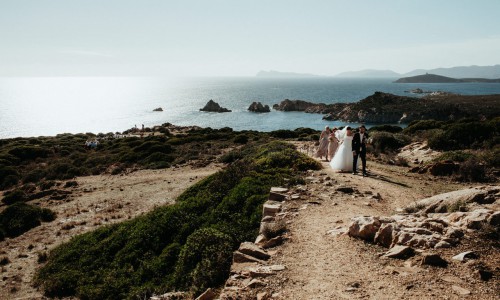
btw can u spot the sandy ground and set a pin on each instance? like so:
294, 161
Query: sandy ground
96, 201
322, 265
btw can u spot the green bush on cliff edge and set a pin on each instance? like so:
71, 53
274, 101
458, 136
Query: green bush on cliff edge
186, 246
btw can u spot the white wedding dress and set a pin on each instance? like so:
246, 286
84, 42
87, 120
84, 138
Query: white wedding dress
343, 158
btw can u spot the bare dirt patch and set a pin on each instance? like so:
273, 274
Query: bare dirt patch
95, 201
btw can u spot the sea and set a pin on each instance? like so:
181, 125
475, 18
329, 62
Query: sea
46, 106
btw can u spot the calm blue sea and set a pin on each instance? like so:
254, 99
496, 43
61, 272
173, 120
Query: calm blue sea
48, 106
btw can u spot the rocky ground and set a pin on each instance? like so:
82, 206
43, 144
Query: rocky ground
319, 259
315, 258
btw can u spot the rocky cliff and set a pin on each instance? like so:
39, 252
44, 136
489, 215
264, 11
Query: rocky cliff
388, 108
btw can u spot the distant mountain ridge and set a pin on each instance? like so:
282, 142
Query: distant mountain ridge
369, 73
278, 74
433, 78
470, 72
489, 72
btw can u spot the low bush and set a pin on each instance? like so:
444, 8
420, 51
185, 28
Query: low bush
20, 217
463, 135
14, 196
383, 142
185, 246
241, 139
29, 152
472, 170
422, 125
284, 134
456, 156
386, 128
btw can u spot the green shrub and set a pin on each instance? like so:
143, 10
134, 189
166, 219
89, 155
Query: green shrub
184, 246
14, 196
422, 125
34, 175
472, 170
231, 156
457, 156
462, 135
20, 217
383, 142
492, 157
241, 139
203, 260
8, 177
284, 134
29, 152
386, 128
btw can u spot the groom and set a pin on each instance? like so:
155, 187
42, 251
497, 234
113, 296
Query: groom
359, 149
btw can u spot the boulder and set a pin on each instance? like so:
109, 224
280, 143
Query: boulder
384, 235
433, 259
253, 250
364, 227
259, 108
213, 106
494, 219
401, 252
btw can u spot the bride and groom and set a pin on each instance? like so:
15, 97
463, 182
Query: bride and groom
352, 147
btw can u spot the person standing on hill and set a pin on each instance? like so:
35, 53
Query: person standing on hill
323, 144
333, 143
359, 149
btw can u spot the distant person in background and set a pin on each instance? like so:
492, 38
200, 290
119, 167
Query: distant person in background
333, 143
323, 144
359, 149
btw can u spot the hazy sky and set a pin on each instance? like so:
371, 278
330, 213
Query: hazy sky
232, 37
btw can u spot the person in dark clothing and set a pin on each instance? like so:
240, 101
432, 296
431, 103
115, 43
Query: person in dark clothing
359, 149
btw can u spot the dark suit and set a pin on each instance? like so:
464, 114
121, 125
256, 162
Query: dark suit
359, 146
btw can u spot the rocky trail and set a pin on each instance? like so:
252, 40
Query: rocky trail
319, 260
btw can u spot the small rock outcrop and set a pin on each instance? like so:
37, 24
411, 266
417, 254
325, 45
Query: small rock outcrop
299, 105
213, 106
158, 109
259, 107
431, 225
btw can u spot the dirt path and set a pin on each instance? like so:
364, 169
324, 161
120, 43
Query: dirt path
322, 265
96, 201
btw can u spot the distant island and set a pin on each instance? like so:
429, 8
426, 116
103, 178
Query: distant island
433, 78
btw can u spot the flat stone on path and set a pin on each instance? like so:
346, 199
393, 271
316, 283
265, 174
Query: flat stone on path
464, 255
253, 250
239, 257
280, 190
460, 290
399, 252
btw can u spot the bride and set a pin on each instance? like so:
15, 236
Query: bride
343, 157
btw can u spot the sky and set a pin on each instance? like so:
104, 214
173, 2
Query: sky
240, 38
